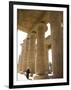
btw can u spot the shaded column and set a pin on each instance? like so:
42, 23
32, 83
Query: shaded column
31, 52
57, 44
46, 57
40, 69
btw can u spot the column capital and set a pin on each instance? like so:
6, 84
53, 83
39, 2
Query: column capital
41, 26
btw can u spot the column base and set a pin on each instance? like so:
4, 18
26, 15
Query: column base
38, 77
57, 76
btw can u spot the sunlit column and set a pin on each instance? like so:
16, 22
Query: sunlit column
40, 69
19, 65
21, 57
25, 54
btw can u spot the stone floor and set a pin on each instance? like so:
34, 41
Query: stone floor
22, 77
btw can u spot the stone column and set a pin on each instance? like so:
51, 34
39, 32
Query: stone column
31, 52
19, 67
40, 70
20, 64
57, 45
23, 56
46, 57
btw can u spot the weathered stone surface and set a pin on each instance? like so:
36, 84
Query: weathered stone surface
57, 45
31, 52
35, 56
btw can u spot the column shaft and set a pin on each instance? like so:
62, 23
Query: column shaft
31, 52
40, 69
57, 45
23, 56
46, 59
